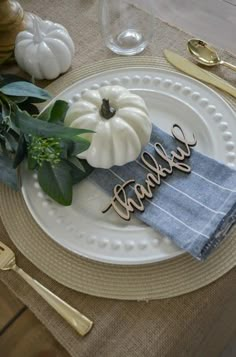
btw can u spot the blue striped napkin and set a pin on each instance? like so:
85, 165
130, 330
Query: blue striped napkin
196, 210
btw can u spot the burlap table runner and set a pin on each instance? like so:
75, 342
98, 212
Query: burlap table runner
196, 324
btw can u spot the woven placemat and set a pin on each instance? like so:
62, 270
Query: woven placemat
153, 281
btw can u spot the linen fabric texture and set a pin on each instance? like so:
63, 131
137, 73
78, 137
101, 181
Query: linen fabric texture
195, 210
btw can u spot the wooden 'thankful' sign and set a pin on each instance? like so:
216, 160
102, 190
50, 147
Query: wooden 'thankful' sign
124, 205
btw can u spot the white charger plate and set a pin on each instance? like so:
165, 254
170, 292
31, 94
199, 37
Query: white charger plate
171, 98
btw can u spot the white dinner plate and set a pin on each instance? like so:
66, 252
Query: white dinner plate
171, 98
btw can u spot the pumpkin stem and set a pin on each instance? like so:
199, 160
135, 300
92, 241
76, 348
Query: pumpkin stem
106, 110
37, 31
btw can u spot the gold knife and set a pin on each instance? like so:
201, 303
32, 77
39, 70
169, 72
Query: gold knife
193, 70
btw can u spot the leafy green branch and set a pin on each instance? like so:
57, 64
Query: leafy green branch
40, 138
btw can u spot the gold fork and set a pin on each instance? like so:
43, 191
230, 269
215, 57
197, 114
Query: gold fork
77, 320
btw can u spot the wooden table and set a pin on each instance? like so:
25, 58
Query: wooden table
21, 334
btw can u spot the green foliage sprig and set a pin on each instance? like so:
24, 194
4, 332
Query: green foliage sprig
40, 138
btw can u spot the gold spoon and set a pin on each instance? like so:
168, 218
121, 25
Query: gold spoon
206, 55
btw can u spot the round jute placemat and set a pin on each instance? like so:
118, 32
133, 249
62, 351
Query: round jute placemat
153, 281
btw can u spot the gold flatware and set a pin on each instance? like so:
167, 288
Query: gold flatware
77, 320
205, 54
193, 70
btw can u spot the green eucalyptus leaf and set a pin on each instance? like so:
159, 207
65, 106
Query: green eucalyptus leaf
2, 141
6, 110
20, 152
25, 89
3, 149
7, 118
34, 126
58, 111
13, 127
45, 114
71, 149
77, 174
56, 181
67, 147
76, 162
18, 99
55, 112
79, 147
37, 100
8, 174
11, 142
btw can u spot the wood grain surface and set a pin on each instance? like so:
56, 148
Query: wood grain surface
21, 334
9, 306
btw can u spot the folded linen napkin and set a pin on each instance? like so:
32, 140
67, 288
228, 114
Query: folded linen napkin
195, 210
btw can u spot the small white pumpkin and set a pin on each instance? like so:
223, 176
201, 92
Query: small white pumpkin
44, 50
120, 121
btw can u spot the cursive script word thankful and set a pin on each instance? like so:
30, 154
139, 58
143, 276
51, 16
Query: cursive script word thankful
124, 205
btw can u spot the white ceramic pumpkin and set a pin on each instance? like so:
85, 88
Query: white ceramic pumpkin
44, 49
120, 121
